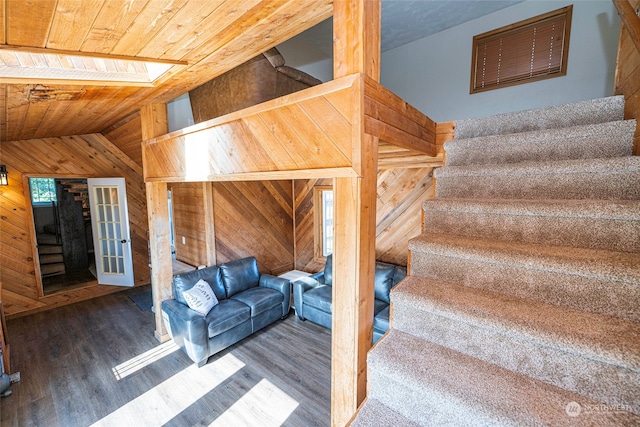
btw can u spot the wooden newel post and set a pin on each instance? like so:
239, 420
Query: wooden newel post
356, 26
154, 123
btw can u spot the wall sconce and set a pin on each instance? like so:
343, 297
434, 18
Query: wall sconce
4, 176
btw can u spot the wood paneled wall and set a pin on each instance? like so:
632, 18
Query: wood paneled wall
251, 218
126, 134
628, 76
398, 214
78, 156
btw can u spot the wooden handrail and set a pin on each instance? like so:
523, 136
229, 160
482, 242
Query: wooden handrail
629, 19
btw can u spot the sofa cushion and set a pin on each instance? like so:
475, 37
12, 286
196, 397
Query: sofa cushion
184, 282
319, 297
240, 275
226, 315
381, 320
259, 299
328, 270
383, 281
200, 297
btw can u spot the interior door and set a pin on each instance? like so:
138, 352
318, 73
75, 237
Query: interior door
110, 225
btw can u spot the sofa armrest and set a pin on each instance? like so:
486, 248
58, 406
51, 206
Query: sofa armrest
281, 285
301, 286
187, 328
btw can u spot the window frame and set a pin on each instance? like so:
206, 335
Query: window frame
319, 221
507, 30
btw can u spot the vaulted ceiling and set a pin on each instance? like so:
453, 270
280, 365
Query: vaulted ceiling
211, 37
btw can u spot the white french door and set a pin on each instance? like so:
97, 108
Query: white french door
110, 225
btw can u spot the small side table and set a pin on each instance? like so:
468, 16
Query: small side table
292, 276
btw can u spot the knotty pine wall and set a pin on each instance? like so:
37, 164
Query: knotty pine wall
251, 218
627, 78
399, 214
126, 134
82, 156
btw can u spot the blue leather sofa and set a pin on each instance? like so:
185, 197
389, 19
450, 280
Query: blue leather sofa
247, 301
312, 295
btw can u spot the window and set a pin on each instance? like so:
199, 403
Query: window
323, 230
43, 190
526, 51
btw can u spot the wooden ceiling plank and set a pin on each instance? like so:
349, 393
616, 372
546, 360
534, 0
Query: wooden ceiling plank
187, 23
153, 17
110, 25
221, 19
72, 22
28, 23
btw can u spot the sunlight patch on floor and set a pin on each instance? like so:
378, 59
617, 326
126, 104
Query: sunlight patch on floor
264, 405
169, 398
148, 357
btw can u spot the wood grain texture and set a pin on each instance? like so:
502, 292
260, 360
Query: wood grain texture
67, 358
126, 134
251, 218
302, 131
212, 37
400, 194
76, 156
627, 81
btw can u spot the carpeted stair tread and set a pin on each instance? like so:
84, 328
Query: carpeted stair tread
596, 224
593, 263
598, 337
376, 414
613, 139
433, 385
594, 280
613, 178
580, 113
596, 356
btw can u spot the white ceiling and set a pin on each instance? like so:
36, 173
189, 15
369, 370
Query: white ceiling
404, 21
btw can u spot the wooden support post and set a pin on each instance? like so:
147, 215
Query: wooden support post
356, 49
154, 123
210, 231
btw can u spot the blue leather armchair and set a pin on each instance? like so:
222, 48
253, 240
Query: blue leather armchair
247, 302
312, 295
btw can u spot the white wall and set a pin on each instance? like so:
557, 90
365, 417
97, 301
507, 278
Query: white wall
179, 114
433, 73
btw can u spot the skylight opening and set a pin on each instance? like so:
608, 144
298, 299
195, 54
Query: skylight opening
25, 66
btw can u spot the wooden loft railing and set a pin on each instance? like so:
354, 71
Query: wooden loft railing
302, 135
630, 20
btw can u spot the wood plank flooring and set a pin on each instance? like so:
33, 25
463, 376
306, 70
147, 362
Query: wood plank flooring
69, 359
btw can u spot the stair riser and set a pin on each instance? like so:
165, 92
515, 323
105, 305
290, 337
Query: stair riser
588, 112
593, 142
603, 296
597, 380
594, 233
51, 259
604, 185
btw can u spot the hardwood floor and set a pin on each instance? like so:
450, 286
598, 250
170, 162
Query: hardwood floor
70, 359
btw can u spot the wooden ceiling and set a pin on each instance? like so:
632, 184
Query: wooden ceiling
211, 36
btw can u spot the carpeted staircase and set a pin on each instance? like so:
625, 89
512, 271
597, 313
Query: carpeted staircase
523, 302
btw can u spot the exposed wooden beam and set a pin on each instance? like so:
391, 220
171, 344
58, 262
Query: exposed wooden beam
356, 32
47, 51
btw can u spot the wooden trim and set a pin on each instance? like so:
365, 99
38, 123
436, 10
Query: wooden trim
48, 51
318, 231
630, 20
515, 46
